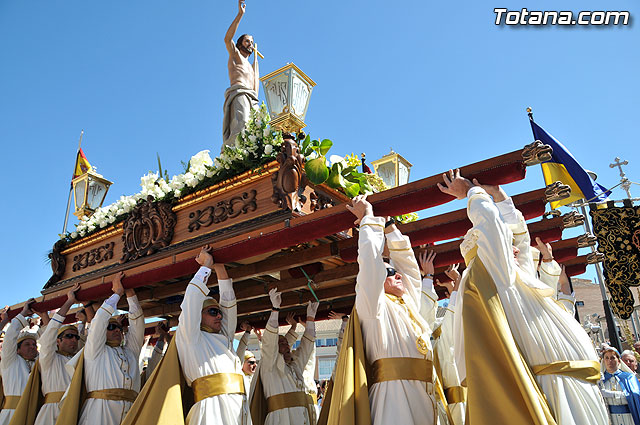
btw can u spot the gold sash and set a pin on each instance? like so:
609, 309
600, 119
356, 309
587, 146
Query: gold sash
217, 384
53, 397
585, 370
10, 401
287, 400
456, 394
292, 399
401, 368
119, 394
437, 332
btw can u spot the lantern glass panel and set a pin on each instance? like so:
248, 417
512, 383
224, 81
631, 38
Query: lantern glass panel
277, 93
96, 193
387, 173
299, 96
403, 173
79, 189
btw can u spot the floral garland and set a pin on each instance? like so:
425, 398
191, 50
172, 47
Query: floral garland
255, 146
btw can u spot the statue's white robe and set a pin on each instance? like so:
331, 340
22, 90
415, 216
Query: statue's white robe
387, 328
277, 377
53, 373
202, 353
15, 369
544, 331
111, 367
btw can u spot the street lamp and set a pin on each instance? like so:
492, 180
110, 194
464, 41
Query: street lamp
89, 191
393, 169
287, 90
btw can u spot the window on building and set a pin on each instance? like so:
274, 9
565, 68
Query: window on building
325, 367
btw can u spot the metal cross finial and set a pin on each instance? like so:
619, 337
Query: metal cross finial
625, 183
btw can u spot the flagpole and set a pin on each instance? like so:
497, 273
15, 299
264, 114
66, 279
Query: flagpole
66, 216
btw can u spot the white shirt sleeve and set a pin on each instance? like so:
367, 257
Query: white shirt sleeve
188, 331
10, 344
429, 302
371, 272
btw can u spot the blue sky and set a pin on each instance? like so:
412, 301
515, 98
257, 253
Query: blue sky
441, 84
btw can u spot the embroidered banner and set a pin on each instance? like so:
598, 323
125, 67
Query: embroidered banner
618, 232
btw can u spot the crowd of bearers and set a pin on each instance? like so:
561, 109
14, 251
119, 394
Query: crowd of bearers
398, 363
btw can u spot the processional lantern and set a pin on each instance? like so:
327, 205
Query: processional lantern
89, 191
288, 91
393, 169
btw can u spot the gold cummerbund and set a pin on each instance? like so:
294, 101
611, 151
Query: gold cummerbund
287, 400
399, 369
118, 394
217, 384
53, 397
10, 401
585, 370
456, 394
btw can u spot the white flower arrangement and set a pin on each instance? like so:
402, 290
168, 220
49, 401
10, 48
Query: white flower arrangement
255, 145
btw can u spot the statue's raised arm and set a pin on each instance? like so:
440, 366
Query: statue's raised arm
244, 80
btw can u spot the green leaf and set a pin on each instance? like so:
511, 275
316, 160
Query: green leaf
305, 146
325, 146
352, 189
335, 179
317, 170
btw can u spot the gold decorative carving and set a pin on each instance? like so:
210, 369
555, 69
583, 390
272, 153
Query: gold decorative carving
595, 257
535, 153
290, 180
223, 210
552, 214
572, 219
586, 240
557, 191
93, 257
148, 228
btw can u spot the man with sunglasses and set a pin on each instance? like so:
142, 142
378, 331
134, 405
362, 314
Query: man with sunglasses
58, 344
204, 338
111, 371
396, 337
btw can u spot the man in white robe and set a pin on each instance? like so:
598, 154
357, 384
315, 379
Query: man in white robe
545, 335
58, 344
281, 371
19, 353
310, 368
111, 371
204, 339
396, 337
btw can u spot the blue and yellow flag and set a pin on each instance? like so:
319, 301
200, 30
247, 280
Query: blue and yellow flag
563, 167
